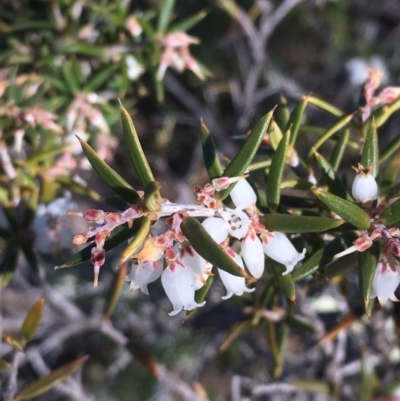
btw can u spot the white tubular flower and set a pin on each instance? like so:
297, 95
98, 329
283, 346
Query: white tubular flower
234, 284
216, 227
237, 222
386, 279
144, 274
178, 283
253, 254
277, 246
243, 195
365, 188
200, 268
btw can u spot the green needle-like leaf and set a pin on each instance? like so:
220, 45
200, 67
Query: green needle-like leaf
370, 153
284, 282
325, 106
247, 152
310, 266
368, 261
135, 150
210, 155
32, 320
276, 171
392, 108
286, 223
189, 22
164, 17
282, 113
110, 176
206, 247
390, 150
295, 120
201, 294
339, 149
46, 383
136, 243
115, 292
345, 209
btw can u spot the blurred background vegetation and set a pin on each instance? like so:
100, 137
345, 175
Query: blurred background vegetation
64, 64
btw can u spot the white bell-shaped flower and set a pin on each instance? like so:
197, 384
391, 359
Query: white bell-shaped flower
200, 268
237, 222
216, 227
365, 188
253, 254
178, 283
243, 195
277, 246
386, 279
234, 284
144, 274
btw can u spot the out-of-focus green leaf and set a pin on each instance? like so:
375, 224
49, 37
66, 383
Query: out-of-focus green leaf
119, 235
99, 78
110, 176
298, 183
31, 206
345, 209
136, 243
46, 383
390, 150
70, 79
8, 265
314, 386
295, 120
367, 261
247, 152
325, 106
276, 171
135, 150
299, 224
188, 23
339, 266
275, 134
337, 245
144, 356
46, 154
310, 266
164, 17
391, 215
284, 281
115, 290
299, 324
329, 133
117, 202
339, 149
392, 108
16, 344
206, 247
32, 320
370, 153
85, 49
333, 182
369, 380
211, 160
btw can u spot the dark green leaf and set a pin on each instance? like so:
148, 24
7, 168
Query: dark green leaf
247, 152
284, 281
206, 247
339, 149
201, 294
310, 266
276, 171
345, 209
391, 215
211, 160
325, 106
165, 15
370, 153
282, 113
295, 120
110, 176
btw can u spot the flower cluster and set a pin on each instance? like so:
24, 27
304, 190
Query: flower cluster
170, 256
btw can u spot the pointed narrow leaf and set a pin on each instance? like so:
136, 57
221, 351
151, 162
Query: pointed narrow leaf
295, 120
32, 320
30, 211
298, 324
391, 149
152, 197
276, 171
284, 282
282, 114
391, 215
247, 152
392, 108
370, 153
46, 383
8, 265
345, 209
165, 15
117, 202
368, 261
325, 106
339, 149
287, 223
110, 176
135, 150
115, 292
137, 242
119, 235
46, 154
334, 183
17, 344
206, 247
188, 23
210, 155
144, 356
310, 266
200, 295
275, 134
329, 133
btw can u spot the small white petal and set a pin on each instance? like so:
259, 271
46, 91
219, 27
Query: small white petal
365, 188
253, 255
179, 287
215, 226
279, 248
386, 279
237, 222
144, 274
243, 195
199, 267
